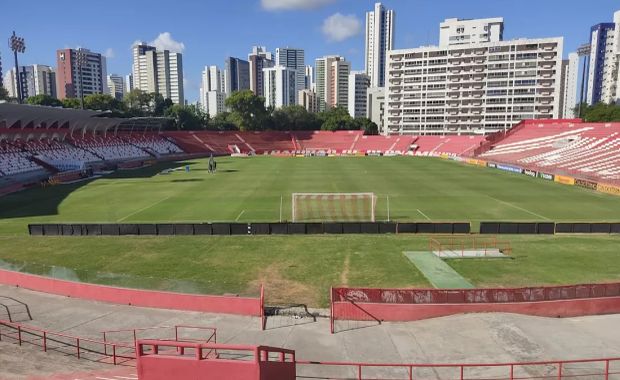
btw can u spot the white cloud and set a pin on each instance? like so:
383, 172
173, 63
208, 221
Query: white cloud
287, 5
109, 53
339, 27
165, 42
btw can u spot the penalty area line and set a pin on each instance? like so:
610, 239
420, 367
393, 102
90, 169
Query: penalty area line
519, 208
423, 214
239, 216
144, 208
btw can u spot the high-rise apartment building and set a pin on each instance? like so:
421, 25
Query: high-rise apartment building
309, 79
570, 78
332, 82
158, 71
237, 75
475, 88
379, 40
212, 91
259, 59
375, 106
280, 86
128, 82
454, 31
308, 99
358, 93
603, 79
80, 71
33, 80
116, 86
293, 59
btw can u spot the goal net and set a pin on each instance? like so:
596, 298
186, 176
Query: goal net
334, 207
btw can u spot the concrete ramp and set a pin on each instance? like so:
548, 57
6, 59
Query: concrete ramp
437, 272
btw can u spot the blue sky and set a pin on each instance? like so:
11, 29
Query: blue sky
208, 30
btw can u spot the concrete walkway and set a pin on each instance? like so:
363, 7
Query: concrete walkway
464, 338
437, 272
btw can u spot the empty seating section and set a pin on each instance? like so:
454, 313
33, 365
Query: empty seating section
450, 145
153, 143
18, 157
268, 142
110, 148
210, 142
13, 160
339, 142
331, 142
53, 151
584, 150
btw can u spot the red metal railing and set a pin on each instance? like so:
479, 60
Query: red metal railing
561, 369
149, 347
461, 244
54, 340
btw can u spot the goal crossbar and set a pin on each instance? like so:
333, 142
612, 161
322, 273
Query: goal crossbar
333, 207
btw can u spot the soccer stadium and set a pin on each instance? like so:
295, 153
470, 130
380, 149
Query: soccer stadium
145, 245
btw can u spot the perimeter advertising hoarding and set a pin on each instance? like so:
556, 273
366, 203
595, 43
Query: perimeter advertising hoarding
587, 184
608, 189
564, 179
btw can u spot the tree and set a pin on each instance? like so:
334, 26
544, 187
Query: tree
222, 122
71, 103
600, 113
4, 94
248, 110
336, 119
44, 100
368, 126
138, 102
161, 105
189, 118
102, 102
294, 118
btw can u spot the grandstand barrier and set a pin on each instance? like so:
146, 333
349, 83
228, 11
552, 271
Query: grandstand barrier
187, 229
603, 368
248, 306
521, 228
399, 305
163, 360
260, 228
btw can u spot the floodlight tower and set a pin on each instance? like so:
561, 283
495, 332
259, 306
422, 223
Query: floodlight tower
17, 45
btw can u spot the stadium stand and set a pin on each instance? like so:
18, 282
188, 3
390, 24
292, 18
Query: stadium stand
584, 150
152, 143
330, 142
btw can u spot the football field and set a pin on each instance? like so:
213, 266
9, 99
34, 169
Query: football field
302, 268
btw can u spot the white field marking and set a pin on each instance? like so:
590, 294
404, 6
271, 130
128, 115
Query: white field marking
423, 214
239, 216
519, 208
145, 208
128, 378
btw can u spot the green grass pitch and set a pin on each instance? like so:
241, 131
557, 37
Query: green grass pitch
302, 268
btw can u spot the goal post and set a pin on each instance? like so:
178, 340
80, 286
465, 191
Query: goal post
333, 207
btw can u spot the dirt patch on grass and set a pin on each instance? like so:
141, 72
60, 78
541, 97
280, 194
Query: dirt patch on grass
282, 291
344, 275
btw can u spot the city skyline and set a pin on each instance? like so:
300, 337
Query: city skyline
335, 28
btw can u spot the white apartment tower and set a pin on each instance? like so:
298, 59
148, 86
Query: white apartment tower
259, 59
375, 106
293, 59
34, 80
158, 71
116, 86
570, 78
358, 93
309, 80
379, 39
603, 78
212, 91
455, 31
280, 87
332, 82
473, 88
